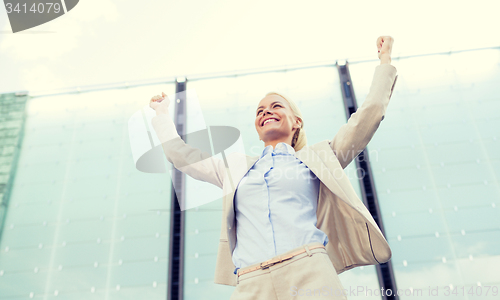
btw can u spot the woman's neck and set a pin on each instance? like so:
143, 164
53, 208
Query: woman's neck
276, 142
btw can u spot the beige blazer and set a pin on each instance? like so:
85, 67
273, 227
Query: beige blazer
354, 237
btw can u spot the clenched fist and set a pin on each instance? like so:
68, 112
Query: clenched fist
384, 46
160, 103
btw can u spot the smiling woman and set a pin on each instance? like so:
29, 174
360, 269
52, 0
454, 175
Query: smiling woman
287, 221
288, 123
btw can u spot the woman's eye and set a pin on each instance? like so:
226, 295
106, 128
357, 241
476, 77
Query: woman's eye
274, 106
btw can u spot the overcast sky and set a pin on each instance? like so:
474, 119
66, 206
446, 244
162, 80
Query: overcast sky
108, 41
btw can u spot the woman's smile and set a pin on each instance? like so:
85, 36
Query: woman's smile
269, 120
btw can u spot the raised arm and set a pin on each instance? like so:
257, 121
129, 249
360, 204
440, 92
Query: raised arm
352, 137
187, 159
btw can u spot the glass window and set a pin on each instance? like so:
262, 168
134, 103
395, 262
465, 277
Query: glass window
83, 222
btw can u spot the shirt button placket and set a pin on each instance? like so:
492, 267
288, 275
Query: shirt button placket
267, 177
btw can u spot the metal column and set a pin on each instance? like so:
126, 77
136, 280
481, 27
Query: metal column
176, 255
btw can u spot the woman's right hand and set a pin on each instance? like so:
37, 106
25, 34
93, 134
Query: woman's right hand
160, 103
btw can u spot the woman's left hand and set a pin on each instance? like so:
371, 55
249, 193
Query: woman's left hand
384, 46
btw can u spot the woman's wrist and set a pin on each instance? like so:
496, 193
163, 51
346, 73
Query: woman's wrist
161, 112
385, 59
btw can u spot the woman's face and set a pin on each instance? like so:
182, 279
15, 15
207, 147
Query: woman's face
275, 119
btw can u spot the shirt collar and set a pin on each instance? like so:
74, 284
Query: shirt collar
281, 148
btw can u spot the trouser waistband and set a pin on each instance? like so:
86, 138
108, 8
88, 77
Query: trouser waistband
282, 257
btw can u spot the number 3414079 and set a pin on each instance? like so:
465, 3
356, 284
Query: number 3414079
36, 8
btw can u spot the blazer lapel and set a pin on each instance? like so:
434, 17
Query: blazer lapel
318, 167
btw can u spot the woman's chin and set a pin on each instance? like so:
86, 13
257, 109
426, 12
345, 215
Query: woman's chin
269, 132
272, 134
271, 128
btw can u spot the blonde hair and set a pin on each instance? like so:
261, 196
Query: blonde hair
299, 139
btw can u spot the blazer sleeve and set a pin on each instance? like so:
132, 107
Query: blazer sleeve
352, 137
187, 159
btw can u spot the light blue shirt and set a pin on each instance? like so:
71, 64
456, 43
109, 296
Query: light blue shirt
275, 205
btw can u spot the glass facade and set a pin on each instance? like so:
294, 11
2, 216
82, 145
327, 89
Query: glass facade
83, 222
435, 160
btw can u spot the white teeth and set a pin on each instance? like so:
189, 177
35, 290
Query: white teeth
269, 120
